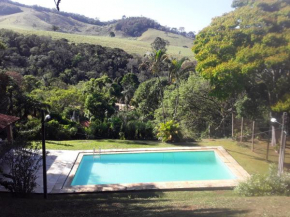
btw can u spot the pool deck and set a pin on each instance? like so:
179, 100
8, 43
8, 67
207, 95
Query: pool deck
62, 165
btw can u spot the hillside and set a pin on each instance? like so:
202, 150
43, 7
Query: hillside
174, 40
32, 20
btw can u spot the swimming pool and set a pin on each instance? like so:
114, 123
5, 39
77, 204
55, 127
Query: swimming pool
152, 167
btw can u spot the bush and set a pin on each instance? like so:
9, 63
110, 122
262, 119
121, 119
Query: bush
169, 132
265, 185
21, 165
98, 129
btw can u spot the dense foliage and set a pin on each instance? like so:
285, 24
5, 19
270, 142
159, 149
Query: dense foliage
135, 26
7, 10
265, 185
169, 132
95, 92
48, 59
247, 51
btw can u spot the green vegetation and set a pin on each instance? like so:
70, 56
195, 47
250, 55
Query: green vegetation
22, 164
44, 21
174, 40
130, 45
266, 184
96, 92
247, 51
169, 132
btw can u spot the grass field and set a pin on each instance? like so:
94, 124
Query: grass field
156, 203
173, 39
131, 46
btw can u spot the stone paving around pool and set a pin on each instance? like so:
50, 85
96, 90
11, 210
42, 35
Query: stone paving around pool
61, 166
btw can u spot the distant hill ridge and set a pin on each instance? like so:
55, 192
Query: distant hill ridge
80, 24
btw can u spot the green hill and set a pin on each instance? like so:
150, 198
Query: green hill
28, 20
174, 39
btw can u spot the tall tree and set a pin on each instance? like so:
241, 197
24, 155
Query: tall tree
177, 69
247, 49
157, 63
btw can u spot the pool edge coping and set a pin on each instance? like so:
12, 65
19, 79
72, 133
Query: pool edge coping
240, 173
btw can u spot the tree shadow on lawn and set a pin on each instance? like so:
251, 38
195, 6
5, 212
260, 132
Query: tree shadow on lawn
151, 143
251, 156
115, 204
58, 143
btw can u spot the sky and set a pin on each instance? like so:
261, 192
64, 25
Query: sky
194, 15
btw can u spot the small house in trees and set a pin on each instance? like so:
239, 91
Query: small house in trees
6, 122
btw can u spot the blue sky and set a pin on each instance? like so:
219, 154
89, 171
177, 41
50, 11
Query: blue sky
194, 15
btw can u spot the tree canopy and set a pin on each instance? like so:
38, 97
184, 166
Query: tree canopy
247, 50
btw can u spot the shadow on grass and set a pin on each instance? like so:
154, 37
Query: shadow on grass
127, 204
251, 156
150, 142
58, 143
134, 142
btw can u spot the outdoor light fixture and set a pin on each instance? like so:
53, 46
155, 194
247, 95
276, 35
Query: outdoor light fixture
274, 120
47, 118
43, 120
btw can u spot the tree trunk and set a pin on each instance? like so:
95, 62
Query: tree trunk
233, 123
161, 99
176, 103
242, 129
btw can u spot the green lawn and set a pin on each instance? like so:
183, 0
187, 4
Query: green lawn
155, 203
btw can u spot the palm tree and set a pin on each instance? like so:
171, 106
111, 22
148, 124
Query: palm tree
157, 63
176, 70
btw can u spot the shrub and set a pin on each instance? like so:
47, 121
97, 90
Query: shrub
98, 129
264, 185
21, 165
169, 132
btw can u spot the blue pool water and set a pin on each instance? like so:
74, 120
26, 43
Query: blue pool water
150, 167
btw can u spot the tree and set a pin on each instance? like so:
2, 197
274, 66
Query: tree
2, 46
157, 63
159, 44
129, 83
176, 70
99, 106
57, 2
181, 29
246, 50
147, 97
55, 28
112, 34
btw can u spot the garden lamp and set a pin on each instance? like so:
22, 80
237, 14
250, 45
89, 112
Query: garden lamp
43, 120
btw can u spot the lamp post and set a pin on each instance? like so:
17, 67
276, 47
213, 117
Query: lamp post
282, 142
43, 120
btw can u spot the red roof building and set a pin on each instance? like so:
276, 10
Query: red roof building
6, 122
